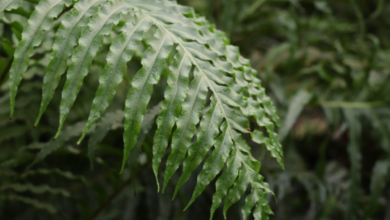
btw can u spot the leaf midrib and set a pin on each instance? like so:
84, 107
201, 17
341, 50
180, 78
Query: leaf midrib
61, 55
192, 109
171, 103
115, 67
205, 76
200, 69
194, 62
146, 78
77, 68
35, 30
208, 82
205, 137
16, 69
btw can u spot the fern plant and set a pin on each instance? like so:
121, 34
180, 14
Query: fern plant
212, 99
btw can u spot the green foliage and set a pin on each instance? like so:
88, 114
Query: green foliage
40, 21
324, 64
204, 74
294, 110
8, 5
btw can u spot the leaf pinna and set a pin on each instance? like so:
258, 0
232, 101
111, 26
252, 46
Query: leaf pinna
211, 98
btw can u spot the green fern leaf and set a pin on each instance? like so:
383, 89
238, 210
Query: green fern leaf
186, 124
35, 189
171, 107
215, 163
142, 87
65, 40
259, 190
7, 5
89, 43
271, 142
379, 179
355, 130
121, 51
65, 174
294, 110
237, 190
226, 180
208, 131
262, 209
181, 44
40, 20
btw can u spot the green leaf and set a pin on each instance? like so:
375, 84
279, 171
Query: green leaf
142, 87
215, 163
147, 124
259, 191
208, 131
237, 190
272, 144
65, 174
65, 40
250, 202
40, 21
7, 5
174, 96
379, 179
35, 189
121, 51
89, 43
262, 210
201, 67
294, 110
355, 157
225, 181
186, 125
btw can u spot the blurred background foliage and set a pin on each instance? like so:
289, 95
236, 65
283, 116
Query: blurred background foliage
326, 64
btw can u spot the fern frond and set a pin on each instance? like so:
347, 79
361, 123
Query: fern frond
89, 43
171, 107
65, 40
7, 5
215, 163
40, 21
208, 131
226, 180
121, 52
65, 174
35, 189
355, 130
202, 69
142, 88
186, 124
